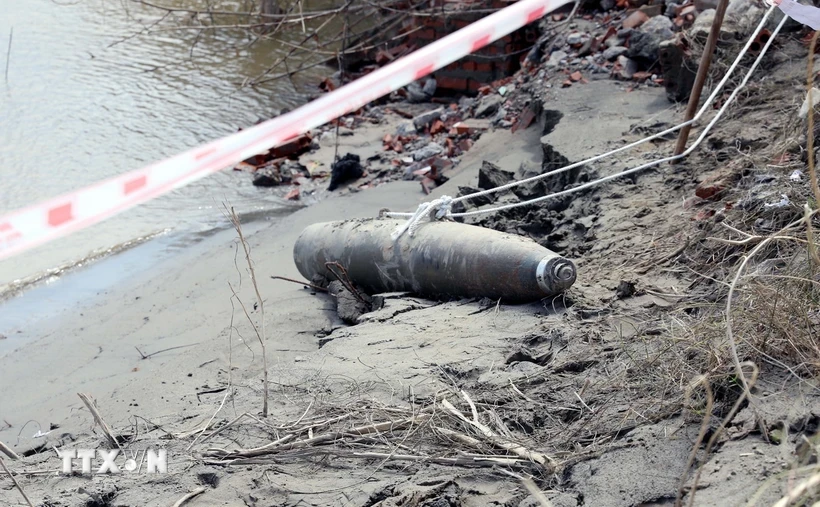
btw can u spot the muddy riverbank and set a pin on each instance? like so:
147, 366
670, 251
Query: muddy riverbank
621, 392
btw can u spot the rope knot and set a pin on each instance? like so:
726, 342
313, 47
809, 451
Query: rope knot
428, 211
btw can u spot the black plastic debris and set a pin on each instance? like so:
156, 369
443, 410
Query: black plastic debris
347, 168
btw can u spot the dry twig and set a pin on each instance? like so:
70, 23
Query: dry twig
182, 501
8, 451
262, 338
514, 448
810, 138
799, 490
314, 287
16, 484
109, 434
704, 426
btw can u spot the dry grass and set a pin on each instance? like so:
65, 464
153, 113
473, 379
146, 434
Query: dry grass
437, 431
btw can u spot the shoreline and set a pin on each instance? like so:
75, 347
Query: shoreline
367, 138
142, 308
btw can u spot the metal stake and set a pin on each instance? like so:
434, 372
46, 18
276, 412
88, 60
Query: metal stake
703, 72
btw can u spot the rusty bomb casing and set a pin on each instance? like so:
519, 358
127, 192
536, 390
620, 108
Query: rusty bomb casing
441, 258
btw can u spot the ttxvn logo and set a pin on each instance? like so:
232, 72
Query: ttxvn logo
131, 460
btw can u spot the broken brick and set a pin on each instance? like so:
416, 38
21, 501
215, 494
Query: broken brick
244, 166
327, 85
609, 33
293, 148
635, 19
712, 186
524, 120
576, 76
427, 185
451, 147
709, 190
641, 76
439, 164
436, 127
293, 195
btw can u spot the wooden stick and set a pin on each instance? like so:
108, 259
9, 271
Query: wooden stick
465, 439
192, 494
112, 440
223, 428
265, 449
703, 72
8, 451
263, 337
514, 448
284, 444
466, 460
306, 284
16, 484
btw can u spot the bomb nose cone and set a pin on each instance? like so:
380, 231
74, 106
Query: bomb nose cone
555, 274
564, 273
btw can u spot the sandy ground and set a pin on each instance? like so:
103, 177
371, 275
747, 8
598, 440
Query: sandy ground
557, 376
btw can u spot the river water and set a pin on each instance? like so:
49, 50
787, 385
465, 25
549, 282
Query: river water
81, 104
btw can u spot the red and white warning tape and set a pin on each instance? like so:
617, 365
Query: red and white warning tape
46, 221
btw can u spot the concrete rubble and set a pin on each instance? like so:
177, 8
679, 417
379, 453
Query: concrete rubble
636, 42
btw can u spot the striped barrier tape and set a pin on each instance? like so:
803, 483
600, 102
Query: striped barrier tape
38, 224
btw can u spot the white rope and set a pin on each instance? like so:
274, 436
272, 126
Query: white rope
670, 130
686, 153
425, 211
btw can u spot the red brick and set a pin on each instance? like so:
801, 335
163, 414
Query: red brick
473, 85
465, 144
484, 67
452, 83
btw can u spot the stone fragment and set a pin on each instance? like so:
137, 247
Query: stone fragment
492, 176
